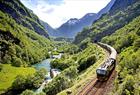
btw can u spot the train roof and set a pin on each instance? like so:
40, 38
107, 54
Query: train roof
106, 64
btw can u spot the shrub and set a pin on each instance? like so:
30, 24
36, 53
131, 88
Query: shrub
19, 83
27, 92
16, 62
85, 63
137, 43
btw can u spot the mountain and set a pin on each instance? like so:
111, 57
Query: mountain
121, 13
74, 25
105, 9
22, 15
21, 40
52, 32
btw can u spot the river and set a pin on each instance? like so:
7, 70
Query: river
46, 65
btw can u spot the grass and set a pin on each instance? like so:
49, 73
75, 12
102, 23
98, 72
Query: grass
85, 76
8, 74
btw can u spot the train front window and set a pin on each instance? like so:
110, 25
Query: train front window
101, 72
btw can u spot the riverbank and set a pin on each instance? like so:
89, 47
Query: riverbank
46, 65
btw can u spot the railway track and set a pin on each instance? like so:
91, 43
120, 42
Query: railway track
95, 87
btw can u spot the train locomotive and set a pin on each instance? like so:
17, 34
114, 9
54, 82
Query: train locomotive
104, 71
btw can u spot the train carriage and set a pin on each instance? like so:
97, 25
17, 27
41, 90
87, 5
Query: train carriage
104, 71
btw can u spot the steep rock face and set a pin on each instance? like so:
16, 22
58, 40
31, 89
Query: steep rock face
117, 17
74, 25
22, 15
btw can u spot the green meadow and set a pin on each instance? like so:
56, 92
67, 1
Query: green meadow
8, 74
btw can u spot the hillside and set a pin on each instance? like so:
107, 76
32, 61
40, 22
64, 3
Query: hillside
127, 41
113, 20
20, 44
22, 15
105, 9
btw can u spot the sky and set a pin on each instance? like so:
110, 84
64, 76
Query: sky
57, 12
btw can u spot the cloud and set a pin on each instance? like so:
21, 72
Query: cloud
59, 11
49, 11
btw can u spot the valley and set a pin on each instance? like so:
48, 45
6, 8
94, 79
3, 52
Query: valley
96, 54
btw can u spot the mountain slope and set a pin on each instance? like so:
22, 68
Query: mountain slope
19, 45
52, 32
74, 25
105, 9
121, 5
127, 41
22, 15
111, 21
